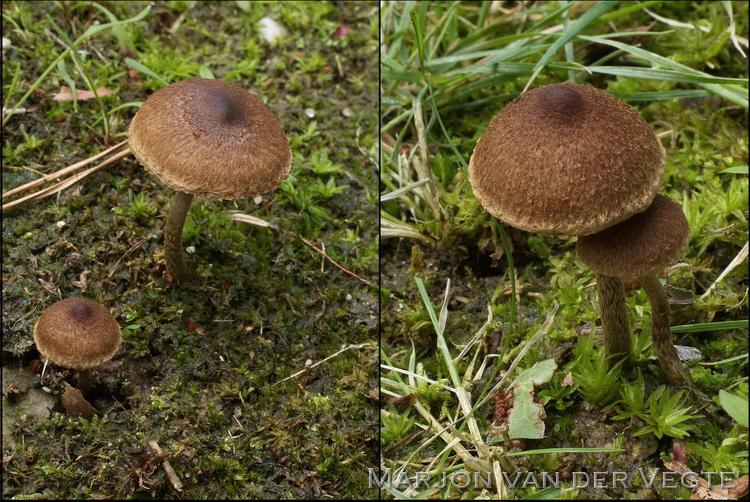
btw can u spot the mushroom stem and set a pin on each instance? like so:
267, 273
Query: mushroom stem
178, 210
661, 336
84, 380
614, 313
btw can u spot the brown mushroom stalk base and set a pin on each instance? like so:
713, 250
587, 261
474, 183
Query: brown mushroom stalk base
614, 314
661, 336
173, 253
84, 380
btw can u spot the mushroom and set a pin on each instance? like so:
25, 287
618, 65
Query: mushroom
640, 247
570, 159
77, 333
204, 137
566, 159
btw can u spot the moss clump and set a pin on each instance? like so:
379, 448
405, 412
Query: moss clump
198, 364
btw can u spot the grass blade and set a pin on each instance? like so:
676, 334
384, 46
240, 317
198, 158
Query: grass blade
594, 13
709, 326
143, 69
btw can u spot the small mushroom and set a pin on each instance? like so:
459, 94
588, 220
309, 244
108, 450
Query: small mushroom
640, 247
77, 333
570, 159
204, 137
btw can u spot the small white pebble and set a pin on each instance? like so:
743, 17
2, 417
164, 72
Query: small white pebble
258, 199
348, 298
7, 44
190, 249
47, 390
309, 112
687, 353
346, 112
308, 363
6, 111
60, 224
271, 30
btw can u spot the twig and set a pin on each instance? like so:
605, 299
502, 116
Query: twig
408, 439
336, 264
126, 411
360, 346
167, 466
68, 182
62, 172
134, 247
246, 218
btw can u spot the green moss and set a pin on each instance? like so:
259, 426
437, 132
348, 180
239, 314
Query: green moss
198, 363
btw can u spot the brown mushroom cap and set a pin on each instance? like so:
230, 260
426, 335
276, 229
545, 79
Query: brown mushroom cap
647, 242
77, 333
566, 159
208, 137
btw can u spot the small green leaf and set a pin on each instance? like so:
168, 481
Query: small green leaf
204, 72
143, 69
526, 417
418, 30
243, 5
736, 170
735, 406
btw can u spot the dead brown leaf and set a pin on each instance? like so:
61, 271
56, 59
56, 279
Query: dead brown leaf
705, 490
740, 488
81, 282
75, 404
66, 94
568, 380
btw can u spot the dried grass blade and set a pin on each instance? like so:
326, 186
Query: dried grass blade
68, 182
741, 256
252, 220
62, 172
